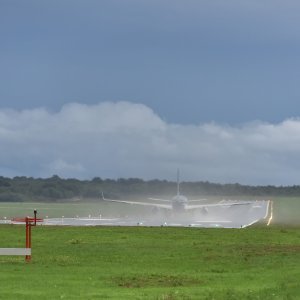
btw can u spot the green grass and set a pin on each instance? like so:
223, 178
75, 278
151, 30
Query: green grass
71, 210
286, 210
152, 263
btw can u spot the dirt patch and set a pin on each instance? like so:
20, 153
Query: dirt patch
270, 249
154, 280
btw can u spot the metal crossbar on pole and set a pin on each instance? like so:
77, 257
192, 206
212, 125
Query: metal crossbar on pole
15, 251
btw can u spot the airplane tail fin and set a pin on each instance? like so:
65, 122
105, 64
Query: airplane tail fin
178, 183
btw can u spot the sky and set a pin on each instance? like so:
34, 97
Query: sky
131, 88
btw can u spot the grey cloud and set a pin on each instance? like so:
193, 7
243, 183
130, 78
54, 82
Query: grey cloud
124, 139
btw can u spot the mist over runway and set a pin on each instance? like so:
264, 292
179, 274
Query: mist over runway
236, 216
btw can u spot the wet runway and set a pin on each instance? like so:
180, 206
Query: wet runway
236, 216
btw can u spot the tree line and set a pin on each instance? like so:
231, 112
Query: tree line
56, 189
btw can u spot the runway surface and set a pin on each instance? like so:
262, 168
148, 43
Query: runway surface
236, 216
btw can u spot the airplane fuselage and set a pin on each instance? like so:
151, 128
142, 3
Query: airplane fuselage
179, 203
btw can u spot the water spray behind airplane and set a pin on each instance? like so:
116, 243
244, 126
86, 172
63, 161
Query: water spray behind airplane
178, 203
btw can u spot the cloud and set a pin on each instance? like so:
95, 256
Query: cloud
124, 139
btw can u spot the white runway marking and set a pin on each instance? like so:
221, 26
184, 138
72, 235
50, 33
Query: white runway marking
213, 221
271, 213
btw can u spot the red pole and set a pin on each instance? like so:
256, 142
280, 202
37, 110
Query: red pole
28, 238
29, 243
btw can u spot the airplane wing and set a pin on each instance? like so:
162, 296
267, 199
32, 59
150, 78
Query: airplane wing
163, 200
165, 206
197, 200
229, 204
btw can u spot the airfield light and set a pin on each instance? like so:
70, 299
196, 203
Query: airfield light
35, 212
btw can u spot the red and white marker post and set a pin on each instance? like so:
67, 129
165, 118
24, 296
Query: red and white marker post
29, 221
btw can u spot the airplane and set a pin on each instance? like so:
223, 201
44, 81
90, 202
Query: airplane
179, 203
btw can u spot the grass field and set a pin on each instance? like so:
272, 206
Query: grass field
56, 210
152, 263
